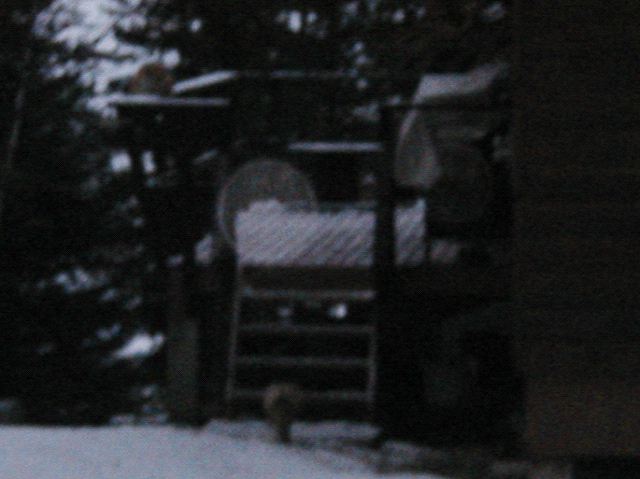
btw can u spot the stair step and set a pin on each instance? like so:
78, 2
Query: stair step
307, 295
336, 147
314, 396
302, 361
300, 330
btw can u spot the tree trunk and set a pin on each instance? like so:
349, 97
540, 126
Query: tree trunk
12, 146
13, 142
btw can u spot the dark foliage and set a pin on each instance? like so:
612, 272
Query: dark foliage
69, 267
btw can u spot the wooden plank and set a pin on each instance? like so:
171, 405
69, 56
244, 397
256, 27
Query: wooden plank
372, 370
481, 281
555, 268
290, 291
236, 311
336, 148
182, 353
545, 290
303, 330
577, 256
546, 106
576, 174
552, 128
553, 119
581, 359
478, 280
576, 272
577, 20
161, 102
385, 279
302, 279
312, 396
592, 41
584, 320
572, 90
583, 47
182, 371
579, 11
546, 220
301, 362
599, 418
571, 182
568, 59
577, 251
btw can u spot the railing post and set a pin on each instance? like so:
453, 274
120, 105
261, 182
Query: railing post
182, 353
384, 266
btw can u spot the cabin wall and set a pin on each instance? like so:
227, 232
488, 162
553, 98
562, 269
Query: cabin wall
577, 224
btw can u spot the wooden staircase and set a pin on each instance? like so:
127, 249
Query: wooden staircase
288, 336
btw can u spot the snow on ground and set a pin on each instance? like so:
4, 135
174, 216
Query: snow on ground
221, 450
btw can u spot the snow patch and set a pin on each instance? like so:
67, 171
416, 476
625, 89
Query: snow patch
139, 346
207, 249
120, 162
145, 452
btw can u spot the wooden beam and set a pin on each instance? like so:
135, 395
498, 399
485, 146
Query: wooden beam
386, 383
438, 281
162, 102
182, 354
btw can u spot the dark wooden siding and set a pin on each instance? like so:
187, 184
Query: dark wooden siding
577, 276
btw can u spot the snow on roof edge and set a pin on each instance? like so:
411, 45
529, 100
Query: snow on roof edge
437, 86
204, 81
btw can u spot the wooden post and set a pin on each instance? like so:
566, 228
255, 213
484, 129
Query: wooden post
13, 142
384, 273
216, 325
182, 354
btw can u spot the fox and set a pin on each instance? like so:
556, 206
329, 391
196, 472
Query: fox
152, 78
282, 404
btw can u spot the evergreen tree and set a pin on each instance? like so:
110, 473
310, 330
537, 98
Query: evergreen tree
67, 239
392, 37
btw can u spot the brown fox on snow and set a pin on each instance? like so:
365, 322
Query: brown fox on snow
282, 403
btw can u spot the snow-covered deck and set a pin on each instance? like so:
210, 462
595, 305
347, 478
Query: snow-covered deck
284, 248
271, 235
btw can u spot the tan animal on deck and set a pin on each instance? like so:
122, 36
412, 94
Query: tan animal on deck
282, 403
152, 78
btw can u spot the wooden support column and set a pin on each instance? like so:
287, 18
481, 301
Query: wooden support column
182, 354
215, 325
384, 273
